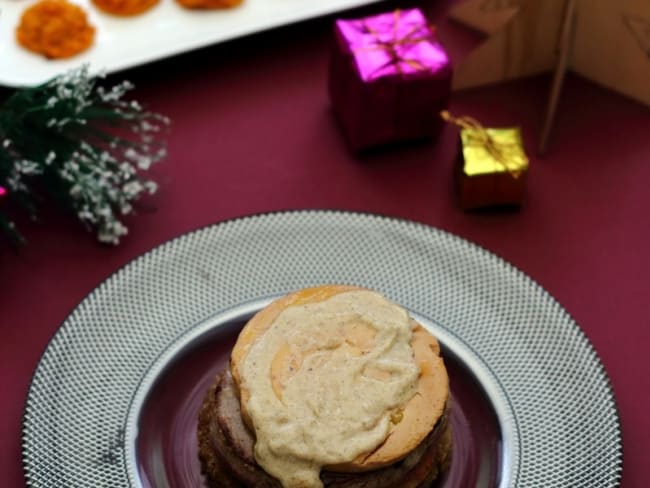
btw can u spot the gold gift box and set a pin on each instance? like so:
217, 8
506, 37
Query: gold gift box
492, 170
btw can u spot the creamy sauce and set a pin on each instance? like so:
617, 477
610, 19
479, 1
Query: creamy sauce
324, 380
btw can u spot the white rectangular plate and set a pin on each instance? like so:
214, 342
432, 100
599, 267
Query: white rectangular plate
165, 30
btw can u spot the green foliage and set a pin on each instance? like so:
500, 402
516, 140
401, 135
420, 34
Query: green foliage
86, 146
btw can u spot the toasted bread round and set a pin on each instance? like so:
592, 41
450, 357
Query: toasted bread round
410, 424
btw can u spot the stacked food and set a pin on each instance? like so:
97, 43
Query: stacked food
328, 386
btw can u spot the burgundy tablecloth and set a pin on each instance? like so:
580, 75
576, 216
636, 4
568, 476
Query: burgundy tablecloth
252, 132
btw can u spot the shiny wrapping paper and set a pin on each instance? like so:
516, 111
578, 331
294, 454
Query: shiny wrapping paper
389, 78
485, 179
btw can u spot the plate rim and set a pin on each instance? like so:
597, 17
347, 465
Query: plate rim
333, 211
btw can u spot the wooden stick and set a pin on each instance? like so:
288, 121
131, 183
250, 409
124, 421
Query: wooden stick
564, 47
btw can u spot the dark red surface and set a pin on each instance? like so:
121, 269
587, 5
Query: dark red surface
167, 446
252, 132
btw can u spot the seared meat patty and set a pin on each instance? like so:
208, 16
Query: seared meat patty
226, 451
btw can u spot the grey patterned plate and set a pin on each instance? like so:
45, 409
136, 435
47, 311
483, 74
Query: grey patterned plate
562, 418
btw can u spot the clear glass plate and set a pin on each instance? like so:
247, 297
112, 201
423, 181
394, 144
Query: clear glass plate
161, 440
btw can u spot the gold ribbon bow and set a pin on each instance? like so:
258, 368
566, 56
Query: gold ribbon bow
390, 47
503, 153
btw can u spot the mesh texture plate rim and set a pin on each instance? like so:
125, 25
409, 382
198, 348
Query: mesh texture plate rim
76, 408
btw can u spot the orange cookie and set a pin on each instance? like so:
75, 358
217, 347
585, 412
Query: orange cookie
55, 29
410, 424
125, 7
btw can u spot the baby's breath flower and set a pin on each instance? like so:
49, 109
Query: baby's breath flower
151, 187
132, 188
99, 170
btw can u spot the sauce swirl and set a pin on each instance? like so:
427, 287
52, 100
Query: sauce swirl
325, 380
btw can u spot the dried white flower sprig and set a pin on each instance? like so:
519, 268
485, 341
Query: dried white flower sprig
83, 144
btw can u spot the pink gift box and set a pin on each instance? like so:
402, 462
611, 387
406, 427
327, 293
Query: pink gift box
389, 78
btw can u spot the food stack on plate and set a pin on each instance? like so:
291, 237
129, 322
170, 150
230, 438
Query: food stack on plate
328, 386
